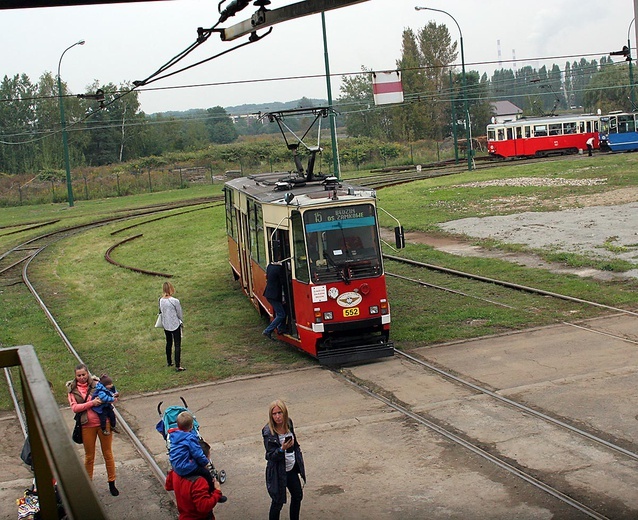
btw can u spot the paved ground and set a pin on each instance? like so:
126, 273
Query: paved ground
365, 462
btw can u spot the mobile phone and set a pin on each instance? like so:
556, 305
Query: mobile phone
288, 438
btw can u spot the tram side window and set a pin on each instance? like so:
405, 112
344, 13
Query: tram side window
613, 125
528, 132
519, 132
256, 230
510, 135
299, 247
626, 124
260, 239
231, 224
501, 134
555, 129
540, 130
491, 135
569, 128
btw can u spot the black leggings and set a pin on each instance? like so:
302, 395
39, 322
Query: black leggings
293, 483
175, 335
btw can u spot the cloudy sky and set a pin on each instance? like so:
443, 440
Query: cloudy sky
125, 42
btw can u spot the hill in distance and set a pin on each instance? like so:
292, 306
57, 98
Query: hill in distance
250, 108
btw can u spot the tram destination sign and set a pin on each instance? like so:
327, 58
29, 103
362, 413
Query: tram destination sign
339, 217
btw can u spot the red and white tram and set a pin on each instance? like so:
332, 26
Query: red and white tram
327, 233
537, 137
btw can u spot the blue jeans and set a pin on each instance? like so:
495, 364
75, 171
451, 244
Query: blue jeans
280, 316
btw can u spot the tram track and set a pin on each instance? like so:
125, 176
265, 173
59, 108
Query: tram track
531, 471
38, 244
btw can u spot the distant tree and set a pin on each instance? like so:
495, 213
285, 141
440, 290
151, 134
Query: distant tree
609, 89
221, 129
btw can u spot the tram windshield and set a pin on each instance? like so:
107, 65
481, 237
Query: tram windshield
343, 243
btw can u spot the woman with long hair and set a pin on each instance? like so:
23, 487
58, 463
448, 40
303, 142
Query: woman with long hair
285, 461
172, 322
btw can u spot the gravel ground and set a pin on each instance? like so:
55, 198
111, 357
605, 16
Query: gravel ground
601, 226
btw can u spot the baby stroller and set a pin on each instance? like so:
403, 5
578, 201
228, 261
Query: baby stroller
168, 422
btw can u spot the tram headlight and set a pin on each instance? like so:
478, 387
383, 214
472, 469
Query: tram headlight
384, 307
374, 309
317, 315
328, 315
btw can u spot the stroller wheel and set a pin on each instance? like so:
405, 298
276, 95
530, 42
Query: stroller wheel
221, 476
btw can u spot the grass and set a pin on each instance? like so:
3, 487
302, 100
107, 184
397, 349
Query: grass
108, 312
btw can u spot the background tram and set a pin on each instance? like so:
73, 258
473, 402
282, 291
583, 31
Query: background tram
544, 136
327, 233
618, 132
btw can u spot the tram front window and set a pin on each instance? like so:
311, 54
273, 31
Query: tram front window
342, 243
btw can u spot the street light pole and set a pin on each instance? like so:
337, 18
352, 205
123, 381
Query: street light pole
468, 130
65, 140
631, 75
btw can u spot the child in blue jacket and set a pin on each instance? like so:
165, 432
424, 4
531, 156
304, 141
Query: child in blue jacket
106, 392
185, 454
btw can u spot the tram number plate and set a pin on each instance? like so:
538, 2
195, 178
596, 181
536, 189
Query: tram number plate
348, 313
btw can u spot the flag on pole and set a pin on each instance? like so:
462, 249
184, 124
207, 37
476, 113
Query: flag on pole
387, 88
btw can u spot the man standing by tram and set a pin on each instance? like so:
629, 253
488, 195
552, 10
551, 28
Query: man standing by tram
590, 145
275, 280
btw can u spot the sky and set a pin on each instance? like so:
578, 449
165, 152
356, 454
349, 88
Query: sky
126, 42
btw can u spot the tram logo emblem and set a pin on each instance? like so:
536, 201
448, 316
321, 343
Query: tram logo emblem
349, 299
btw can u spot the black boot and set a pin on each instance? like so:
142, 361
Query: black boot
113, 489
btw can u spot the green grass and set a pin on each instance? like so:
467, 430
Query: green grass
108, 312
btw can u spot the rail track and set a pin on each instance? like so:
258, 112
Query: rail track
35, 246
28, 251
487, 446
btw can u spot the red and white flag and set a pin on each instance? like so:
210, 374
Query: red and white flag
387, 88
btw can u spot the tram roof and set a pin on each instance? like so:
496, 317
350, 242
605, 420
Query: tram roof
263, 187
563, 118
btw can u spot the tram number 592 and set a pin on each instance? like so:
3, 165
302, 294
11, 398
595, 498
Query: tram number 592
348, 313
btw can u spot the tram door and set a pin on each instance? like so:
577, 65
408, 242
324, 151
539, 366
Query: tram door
244, 252
279, 248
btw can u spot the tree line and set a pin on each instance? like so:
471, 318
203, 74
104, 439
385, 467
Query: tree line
434, 100
115, 130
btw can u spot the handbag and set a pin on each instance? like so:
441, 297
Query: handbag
77, 430
158, 321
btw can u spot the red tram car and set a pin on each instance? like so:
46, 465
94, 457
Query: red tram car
328, 236
537, 137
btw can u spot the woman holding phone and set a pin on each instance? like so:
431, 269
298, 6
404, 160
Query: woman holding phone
285, 462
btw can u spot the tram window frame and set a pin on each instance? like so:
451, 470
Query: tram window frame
555, 129
501, 134
231, 222
510, 134
491, 134
256, 233
519, 132
613, 125
540, 130
570, 127
528, 131
626, 123
300, 255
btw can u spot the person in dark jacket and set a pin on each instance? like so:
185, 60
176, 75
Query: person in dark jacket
275, 281
285, 461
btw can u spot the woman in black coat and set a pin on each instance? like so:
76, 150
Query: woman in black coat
285, 462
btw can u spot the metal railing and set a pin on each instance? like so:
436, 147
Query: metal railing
53, 453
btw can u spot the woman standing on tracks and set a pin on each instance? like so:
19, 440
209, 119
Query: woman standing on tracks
171, 311
82, 402
285, 462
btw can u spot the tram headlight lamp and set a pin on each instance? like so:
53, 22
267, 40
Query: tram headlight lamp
317, 315
328, 315
288, 197
384, 307
374, 309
